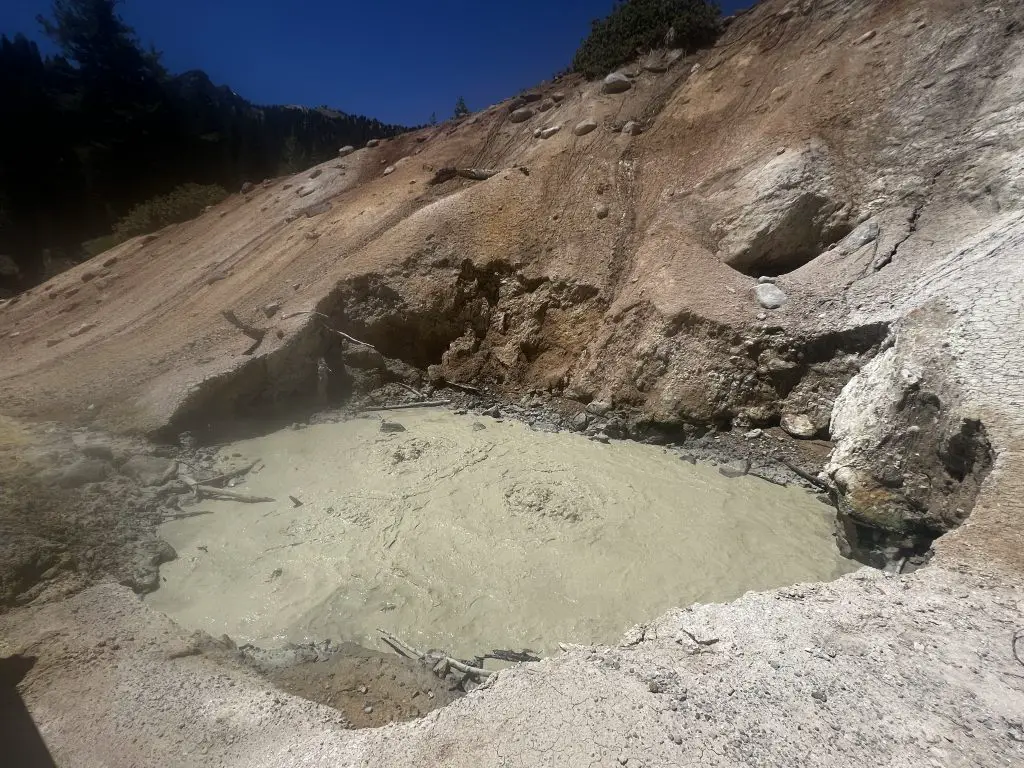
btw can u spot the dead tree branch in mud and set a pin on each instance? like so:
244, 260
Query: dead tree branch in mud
400, 406
221, 479
322, 317
407, 650
414, 391
225, 495
815, 481
463, 387
254, 333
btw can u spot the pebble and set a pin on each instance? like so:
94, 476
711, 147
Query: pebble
368, 709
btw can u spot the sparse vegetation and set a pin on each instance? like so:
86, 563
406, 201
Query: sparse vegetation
180, 204
635, 26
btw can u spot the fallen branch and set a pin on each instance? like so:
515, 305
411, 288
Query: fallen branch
476, 174
1018, 637
295, 502
463, 387
225, 495
414, 391
693, 637
815, 481
254, 333
184, 515
400, 406
216, 481
322, 316
407, 650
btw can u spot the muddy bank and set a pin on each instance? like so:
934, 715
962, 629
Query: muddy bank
471, 534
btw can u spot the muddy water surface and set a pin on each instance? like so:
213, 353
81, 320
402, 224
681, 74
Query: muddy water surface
469, 534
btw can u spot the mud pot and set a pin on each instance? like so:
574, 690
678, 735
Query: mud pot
469, 534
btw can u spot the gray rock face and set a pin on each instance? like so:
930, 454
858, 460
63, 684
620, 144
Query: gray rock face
584, 127
769, 295
150, 470
346, 151
84, 471
616, 82
737, 468
799, 425
783, 214
521, 115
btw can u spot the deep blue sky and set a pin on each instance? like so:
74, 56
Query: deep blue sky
397, 61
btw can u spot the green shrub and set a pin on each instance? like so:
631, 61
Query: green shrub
180, 204
638, 25
98, 245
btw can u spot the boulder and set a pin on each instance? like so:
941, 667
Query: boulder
798, 425
551, 130
580, 421
546, 105
769, 295
150, 470
557, 97
272, 308
346, 151
616, 82
531, 96
584, 127
389, 170
632, 128
521, 115
373, 143
737, 468
84, 471
388, 427
601, 210
599, 407
247, 187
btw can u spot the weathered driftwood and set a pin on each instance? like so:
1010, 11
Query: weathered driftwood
400, 406
411, 389
407, 650
226, 495
254, 333
816, 481
322, 316
476, 174
463, 387
223, 478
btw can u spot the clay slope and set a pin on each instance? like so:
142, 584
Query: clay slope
865, 155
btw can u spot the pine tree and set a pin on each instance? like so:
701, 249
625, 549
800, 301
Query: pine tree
461, 110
